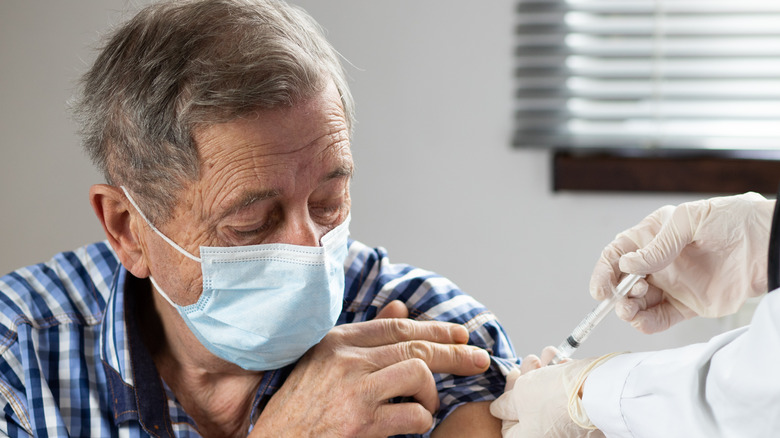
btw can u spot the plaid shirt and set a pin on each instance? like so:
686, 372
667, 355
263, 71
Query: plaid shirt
72, 362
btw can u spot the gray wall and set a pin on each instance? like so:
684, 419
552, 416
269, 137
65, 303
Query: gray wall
437, 181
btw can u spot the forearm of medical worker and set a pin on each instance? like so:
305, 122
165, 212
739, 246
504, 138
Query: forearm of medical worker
722, 388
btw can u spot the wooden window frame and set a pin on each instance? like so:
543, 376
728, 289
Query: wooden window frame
715, 172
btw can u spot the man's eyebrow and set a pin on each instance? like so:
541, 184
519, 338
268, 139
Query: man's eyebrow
345, 170
246, 200
249, 198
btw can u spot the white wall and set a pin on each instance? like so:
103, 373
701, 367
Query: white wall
437, 181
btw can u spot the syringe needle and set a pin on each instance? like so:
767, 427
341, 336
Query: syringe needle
583, 329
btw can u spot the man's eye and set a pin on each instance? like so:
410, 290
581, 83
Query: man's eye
248, 231
327, 211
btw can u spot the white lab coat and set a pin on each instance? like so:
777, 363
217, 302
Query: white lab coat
727, 387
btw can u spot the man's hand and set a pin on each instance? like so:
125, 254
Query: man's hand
468, 420
342, 386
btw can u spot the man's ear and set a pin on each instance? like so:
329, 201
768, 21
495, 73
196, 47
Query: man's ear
122, 230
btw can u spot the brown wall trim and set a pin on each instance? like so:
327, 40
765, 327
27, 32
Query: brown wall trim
684, 173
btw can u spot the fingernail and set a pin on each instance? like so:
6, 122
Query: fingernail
480, 357
459, 334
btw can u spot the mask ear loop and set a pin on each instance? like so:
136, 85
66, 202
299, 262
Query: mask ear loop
162, 293
159, 233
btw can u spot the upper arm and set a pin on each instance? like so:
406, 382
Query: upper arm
469, 420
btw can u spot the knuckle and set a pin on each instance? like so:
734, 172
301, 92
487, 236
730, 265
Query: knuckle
353, 428
422, 421
399, 329
336, 336
370, 392
419, 367
419, 350
417, 419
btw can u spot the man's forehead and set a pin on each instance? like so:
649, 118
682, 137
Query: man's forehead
272, 152
275, 131
236, 200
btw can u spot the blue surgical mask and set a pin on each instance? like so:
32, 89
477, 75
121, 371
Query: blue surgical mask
264, 306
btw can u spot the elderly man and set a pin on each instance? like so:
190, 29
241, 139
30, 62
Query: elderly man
228, 299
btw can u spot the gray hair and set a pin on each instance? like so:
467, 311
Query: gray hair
181, 65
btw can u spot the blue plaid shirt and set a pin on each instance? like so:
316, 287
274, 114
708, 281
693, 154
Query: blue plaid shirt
72, 362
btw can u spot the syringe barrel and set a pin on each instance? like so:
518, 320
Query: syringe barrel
592, 319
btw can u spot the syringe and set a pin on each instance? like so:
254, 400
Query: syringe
583, 329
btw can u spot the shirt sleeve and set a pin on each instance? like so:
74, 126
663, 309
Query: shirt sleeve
429, 296
722, 388
374, 282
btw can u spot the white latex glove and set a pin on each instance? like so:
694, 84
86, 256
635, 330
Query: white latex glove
701, 258
545, 403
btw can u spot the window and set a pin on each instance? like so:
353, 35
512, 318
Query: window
664, 79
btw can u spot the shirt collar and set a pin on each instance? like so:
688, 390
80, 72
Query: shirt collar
137, 391
114, 350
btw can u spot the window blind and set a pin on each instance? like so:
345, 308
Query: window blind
677, 74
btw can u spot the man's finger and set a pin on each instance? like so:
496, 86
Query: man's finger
403, 419
461, 360
410, 378
393, 309
380, 332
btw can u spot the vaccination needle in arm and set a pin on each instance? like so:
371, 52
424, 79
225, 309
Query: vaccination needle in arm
583, 329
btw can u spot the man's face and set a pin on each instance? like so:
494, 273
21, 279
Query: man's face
276, 176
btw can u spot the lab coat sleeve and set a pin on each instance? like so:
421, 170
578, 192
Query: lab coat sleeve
727, 387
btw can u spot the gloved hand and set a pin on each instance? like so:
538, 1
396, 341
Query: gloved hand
546, 402
701, 258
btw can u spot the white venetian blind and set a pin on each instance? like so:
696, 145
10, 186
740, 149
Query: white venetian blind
687, 74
